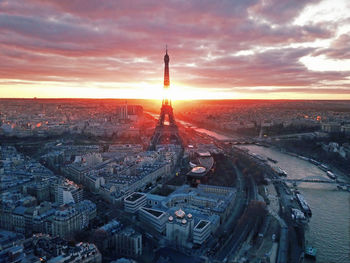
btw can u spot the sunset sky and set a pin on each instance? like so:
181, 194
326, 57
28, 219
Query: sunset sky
248, 49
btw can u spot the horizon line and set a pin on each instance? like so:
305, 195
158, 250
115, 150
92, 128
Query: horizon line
227, 99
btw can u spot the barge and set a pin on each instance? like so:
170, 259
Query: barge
303, 204
280, 171
271, 160
310, 252
331, 175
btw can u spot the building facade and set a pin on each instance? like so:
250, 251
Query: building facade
129, 243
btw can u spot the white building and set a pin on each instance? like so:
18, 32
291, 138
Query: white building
179, 228
201, 232
69, 194
154, 218
133, 202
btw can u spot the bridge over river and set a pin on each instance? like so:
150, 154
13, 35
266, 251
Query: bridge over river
312, 180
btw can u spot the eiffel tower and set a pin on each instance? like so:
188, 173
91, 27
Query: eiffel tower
166, 131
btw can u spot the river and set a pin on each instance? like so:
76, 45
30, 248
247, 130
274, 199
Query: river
216, 135
329, 227
213, 134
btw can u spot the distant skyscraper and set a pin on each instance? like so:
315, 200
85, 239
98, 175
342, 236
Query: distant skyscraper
124, 111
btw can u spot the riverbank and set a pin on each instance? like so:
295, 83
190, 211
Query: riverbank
342, 174
329, 226
313, 150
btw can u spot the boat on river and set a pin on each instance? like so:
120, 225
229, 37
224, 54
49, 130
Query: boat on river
303, 158
259, 157
280, 171
298, 216
313, 161
310, 252
343, 187
331, 175
303, 204
271, 160
324, 167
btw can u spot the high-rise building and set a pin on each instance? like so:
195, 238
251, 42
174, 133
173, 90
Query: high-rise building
123, 110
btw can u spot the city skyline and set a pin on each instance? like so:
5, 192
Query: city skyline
174, 131
231, 50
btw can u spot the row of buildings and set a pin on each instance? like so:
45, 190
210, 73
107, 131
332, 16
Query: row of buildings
34, 200
336, 127
119, 175
293, 114
342, 150
24, 217
19, 173
185, 217
42, 118
14, 248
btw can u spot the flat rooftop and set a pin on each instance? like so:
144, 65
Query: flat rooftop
134, 196
153, 212
201, 224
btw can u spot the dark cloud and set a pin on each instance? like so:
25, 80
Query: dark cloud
339, 49
270, 68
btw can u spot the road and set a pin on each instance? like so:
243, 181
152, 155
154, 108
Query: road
247, 192
291, 241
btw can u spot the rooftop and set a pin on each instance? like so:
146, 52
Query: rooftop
204, 154
134, 196
180, 213
156, 213
198, 170
201, 224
